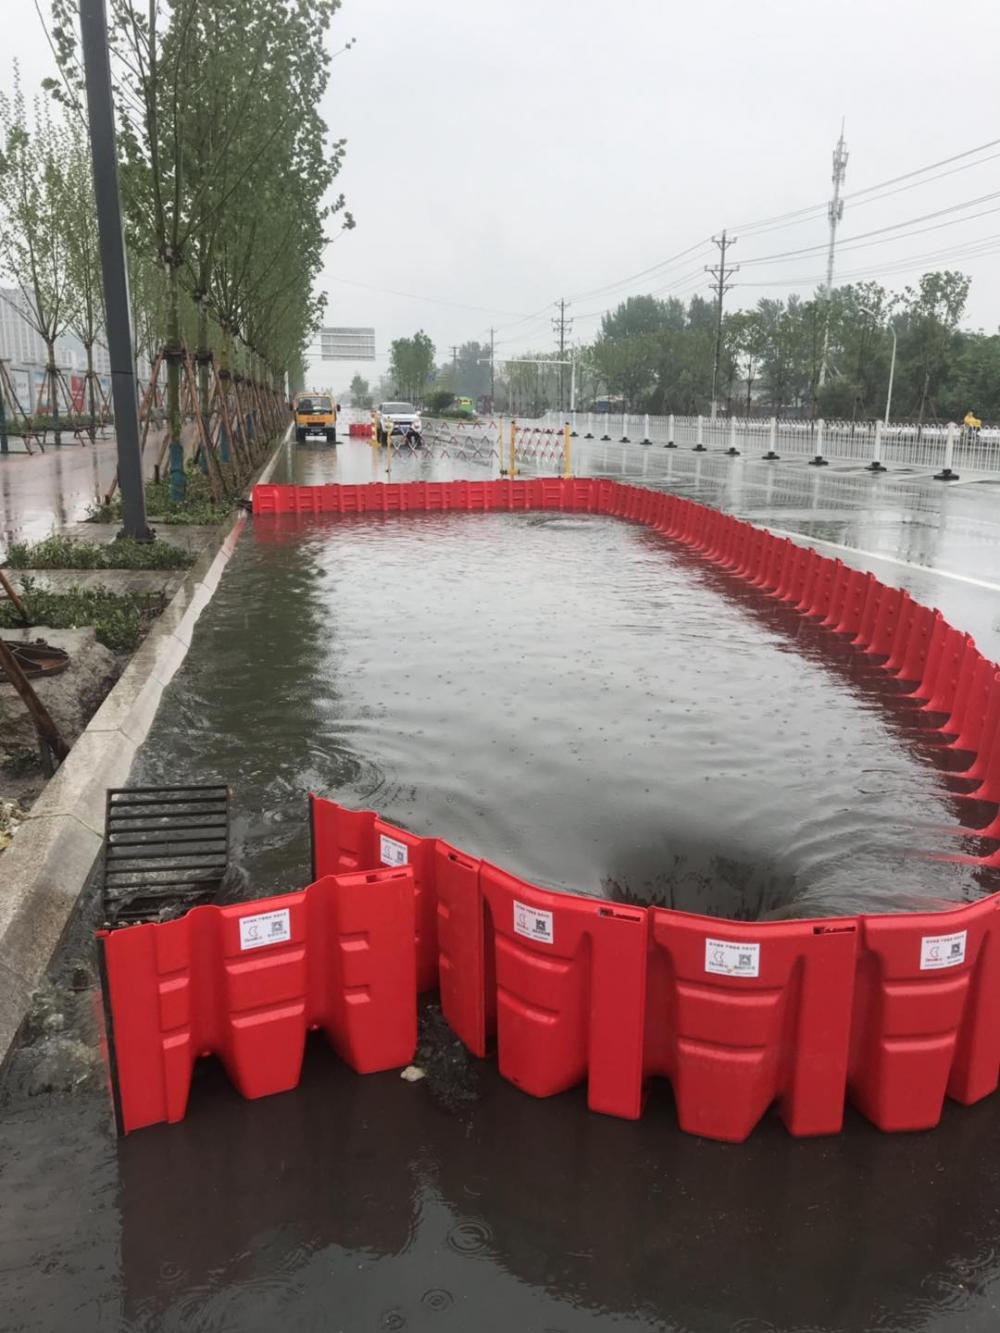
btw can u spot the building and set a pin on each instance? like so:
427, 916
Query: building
24, 352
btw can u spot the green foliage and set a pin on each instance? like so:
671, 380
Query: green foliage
226, 171
411, 364
440, 400
658, 356
361, 394
66, 553
120, 621
35, 212
467, 375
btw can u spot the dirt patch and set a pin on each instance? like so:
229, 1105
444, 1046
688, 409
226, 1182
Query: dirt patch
450, 1073
72, 698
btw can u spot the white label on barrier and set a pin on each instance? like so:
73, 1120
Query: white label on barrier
392, 852
942, 950
532, 923
265, 928
728, 958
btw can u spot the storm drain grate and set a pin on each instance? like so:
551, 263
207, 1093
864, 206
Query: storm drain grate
166, 849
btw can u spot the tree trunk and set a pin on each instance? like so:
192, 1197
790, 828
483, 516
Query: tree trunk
203, 354
923, 397
92, 429
53, 383
225, 371
178, 478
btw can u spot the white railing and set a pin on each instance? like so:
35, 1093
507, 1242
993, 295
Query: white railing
900, 444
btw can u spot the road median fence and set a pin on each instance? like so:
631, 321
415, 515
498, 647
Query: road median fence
940, 448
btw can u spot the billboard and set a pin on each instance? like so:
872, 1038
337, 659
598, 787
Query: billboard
347, 344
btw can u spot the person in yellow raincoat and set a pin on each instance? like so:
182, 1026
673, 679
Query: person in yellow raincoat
971, 421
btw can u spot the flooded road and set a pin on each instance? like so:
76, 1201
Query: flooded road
573, 698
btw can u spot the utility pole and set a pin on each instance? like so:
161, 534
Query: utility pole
835, 212
111, 241
720, 273
492, 373
562, 324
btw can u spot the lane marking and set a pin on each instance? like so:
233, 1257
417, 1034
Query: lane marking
889, 559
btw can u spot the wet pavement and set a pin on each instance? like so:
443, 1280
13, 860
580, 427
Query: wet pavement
42, 493
569, 696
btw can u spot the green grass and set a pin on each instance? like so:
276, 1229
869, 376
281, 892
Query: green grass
66, 553
120, 620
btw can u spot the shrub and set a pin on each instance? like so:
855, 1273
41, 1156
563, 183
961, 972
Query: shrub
120, 621
66, 553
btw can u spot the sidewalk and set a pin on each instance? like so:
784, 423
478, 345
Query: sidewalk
42, 493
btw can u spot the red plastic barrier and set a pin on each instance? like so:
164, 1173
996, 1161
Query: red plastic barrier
347, 840
926, 1014
246, 983
570, 991
741, 1016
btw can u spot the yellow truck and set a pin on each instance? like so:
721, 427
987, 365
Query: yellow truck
316, 414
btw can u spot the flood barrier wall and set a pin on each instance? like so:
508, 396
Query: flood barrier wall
888, 1013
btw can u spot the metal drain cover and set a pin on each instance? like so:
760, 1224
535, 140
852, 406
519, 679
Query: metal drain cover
166, 849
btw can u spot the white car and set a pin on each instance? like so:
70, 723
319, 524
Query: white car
399, 419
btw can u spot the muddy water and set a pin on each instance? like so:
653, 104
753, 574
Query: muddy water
573, 699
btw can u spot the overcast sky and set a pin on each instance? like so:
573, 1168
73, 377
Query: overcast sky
504, 155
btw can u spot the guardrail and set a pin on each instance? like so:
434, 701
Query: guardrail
871, 443
889, 1013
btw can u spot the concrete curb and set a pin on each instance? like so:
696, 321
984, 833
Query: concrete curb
44, 870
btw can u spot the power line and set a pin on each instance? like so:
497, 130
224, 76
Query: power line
664, 263
850, 241
432, 300
780, 220
983, 245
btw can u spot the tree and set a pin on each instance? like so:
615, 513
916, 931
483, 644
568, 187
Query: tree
930, 315
34, 208
225, 173
973, 380
82, 255
627, 366
640, 315
746, 335
361, 394
411, 364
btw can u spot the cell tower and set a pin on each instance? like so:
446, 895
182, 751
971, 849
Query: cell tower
835, 213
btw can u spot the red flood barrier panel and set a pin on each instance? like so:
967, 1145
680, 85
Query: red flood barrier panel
350, 840
569, 977
246, 983
926, 1014
741, 1016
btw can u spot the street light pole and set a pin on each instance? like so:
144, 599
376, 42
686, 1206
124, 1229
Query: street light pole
892, 364
892, 371
111, 241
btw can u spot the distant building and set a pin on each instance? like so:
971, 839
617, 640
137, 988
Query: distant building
24, 352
